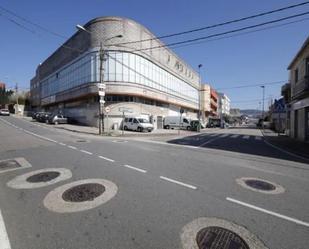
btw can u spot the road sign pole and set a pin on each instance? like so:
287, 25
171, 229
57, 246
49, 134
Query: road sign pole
122, 123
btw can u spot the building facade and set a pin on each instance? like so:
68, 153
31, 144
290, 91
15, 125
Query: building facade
2, 85
224, 104
298, 111
140, 73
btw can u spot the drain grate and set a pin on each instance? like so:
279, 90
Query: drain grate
260, 185
219, 238
43, 177
83, 192
9, 164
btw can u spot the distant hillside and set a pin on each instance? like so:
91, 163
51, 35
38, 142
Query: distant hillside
251, 112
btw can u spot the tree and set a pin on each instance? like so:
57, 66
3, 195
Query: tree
5, 96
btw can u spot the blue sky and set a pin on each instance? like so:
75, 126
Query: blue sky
252, 58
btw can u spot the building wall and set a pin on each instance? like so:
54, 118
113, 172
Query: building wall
299, 93
72, 71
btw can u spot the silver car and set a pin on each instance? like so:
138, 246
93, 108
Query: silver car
57, 119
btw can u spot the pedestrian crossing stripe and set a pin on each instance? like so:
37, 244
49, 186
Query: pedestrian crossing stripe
246, 137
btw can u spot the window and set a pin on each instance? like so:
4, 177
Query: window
130, 120
296, 75
135, 121
307, 67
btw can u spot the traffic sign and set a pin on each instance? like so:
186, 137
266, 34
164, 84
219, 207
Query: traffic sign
102, 101
101, 93
107, 109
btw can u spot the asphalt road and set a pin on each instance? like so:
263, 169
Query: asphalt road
161, 187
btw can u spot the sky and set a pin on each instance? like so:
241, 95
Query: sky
246, 59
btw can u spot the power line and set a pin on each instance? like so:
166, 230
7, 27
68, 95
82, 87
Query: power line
240, 34
253, 85
18, 24
220, 24
32, 23
224, 33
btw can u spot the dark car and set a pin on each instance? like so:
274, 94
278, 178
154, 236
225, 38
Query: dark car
42, 117
57, 119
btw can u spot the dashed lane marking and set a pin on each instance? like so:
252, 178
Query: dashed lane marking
235, 136
134, 168
178, 182
62, 144
106, 158
246, 137
4, 239
72, 147
86, 152
299, 222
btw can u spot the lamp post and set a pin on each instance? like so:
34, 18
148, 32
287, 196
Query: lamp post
263, 87
101, 85
199, 98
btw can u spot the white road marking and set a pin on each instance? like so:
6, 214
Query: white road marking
134, 168
246, 137
72, 147
213, 134
224, 135
235, 136
62, 144
4, 239
178, 182
209, 141
303, 223
258, 138
106, 158
87, 152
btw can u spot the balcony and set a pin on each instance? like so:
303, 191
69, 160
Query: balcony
301, 88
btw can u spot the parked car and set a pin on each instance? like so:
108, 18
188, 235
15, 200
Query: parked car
43, 116
137, 124
214, 122
4, 112
57, 119
171, 122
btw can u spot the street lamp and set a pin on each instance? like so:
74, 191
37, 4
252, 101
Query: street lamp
102, 86
199, 98
263, 87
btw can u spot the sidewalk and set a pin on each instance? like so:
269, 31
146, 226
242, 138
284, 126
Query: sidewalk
286, 143
94, 130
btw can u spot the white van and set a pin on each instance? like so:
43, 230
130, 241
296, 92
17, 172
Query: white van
137, 124
171, 122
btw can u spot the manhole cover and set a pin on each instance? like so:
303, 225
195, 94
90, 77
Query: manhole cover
219, 238
81, 141
43, 177
261, 185
84, 192
9, 164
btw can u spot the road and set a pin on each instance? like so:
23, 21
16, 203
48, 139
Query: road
154, 192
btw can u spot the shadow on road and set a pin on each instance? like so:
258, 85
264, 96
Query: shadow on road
236, 142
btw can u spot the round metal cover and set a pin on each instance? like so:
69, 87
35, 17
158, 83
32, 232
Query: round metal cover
43, 177
81, 141
219, 238
84, 192
261, 185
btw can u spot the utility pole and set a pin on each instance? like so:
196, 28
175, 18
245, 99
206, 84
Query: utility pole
16, 92
101, 93
199, 98
263, 87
